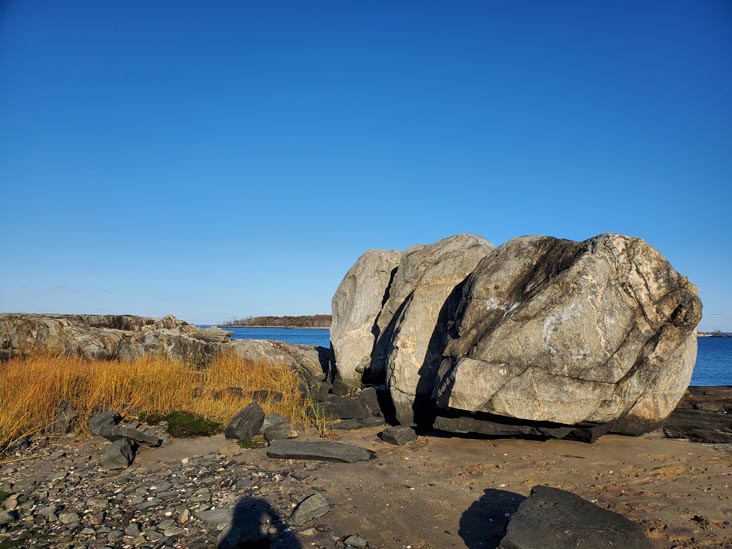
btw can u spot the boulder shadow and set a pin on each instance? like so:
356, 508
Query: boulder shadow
483, 524
251, 519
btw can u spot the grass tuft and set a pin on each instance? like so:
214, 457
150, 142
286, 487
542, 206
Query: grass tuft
32, 388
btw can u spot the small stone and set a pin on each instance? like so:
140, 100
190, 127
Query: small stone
399, 435
132, 529
184, 516
309, 508
11, 503
8, 517
308, 532
171, 531
246, 423
69, 518
356, 541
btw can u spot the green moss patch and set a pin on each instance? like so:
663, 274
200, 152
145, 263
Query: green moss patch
186, 424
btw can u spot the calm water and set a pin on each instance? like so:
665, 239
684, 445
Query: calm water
713, 361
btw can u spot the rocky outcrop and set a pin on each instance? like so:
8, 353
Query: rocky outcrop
108, 337
703, 415
356, 306
125, 337
599, 332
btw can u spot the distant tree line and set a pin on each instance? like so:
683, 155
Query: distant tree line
305, 321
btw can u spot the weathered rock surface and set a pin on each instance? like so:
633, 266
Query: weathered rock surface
411, 324
356, 305
556, 519
319, 450
311, 507
107, 337
601, 331
246, 423
704, 414
310, 361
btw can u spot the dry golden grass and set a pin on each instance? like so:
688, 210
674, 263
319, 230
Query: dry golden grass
32, 388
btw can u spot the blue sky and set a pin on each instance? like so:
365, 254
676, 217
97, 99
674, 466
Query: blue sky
222, 159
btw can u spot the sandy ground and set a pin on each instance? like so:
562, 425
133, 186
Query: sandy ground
443, 492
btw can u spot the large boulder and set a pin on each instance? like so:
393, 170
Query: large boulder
356, 306
412, 323
594, 332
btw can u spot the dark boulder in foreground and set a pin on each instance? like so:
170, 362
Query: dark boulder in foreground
246, 423
319, 450
551, 518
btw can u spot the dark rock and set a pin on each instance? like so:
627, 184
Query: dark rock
555, 519
118, 455
340, 387
308, 509
116, 432
8, 517
271, 420
264, 395
699, 426
319, 450
279, 431
348, 408
399, 435
348, 425
246, 423
234, 392
104, 420
371, 398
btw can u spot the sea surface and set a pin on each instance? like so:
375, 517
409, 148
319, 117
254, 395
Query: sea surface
713, 360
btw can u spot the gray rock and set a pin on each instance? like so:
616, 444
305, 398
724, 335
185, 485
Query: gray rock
133, 529
356, 541
346, 408
704, 414
246, 423
308, 509
280, 431
555, 519
69, 518
399, 435
601, 331
348, 425
116, 432
8, 517
271, 420
118, 455
356, 305
319, 450
102, 421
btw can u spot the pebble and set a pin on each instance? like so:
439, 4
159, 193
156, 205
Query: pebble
187, 504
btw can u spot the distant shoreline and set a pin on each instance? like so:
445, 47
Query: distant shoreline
224, 326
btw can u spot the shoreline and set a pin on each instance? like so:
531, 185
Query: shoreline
223, 327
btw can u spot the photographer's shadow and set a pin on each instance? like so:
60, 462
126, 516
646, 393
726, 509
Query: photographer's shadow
251, 522
483, 524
